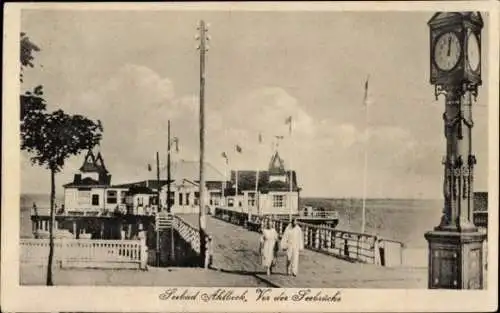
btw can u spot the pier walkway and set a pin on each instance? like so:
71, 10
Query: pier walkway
236, 251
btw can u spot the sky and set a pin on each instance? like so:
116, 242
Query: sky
136, 70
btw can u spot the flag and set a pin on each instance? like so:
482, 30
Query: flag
238, 149
176, 141
289, 122
224, 155
149, 168
277, 144
260, 138
365, 98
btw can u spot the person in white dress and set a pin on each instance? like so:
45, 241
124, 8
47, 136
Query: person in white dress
268, 242
292, 242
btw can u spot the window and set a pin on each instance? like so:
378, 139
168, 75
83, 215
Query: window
112, 197
171, 198
140, 200
251, 199
84, 196
196, 198
95, 199
122, 197
278, 201
230, 202
187, 198
180, 198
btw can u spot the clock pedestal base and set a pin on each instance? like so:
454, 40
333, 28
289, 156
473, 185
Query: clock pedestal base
455, 259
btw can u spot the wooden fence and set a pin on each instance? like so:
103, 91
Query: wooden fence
87, 253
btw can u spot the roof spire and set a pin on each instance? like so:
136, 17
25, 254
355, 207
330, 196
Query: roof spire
277, 165
99, 162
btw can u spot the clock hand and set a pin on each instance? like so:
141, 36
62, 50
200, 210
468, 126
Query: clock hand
449, 46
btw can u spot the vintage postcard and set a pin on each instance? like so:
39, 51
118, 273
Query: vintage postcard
263, 157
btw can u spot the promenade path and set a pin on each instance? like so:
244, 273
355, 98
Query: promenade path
236, 251
35, 275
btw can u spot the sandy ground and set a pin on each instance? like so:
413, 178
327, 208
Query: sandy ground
237, 251
36, 275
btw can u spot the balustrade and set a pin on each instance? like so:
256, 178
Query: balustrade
86, 252
188, 232
322, 238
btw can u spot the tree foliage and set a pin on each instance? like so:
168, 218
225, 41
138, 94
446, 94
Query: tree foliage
31, 101
51, 138
27, 52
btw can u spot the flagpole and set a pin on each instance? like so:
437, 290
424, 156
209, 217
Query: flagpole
236, 194
365, 170
365, 174
256, 205
291, 170
223, 185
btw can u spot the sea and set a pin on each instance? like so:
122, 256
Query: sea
404, 220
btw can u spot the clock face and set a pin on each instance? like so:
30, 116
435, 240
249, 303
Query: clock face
473, 52
447, 51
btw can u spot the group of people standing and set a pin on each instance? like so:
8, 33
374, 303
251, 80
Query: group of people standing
292, 242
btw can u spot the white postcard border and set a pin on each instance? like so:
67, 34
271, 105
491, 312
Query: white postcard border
146, 299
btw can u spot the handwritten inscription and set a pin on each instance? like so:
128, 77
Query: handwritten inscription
245, 295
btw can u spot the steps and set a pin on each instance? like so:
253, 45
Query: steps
163, 221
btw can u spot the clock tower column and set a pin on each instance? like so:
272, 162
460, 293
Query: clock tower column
455, 245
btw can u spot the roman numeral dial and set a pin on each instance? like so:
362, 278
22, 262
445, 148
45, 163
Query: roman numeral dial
447, 51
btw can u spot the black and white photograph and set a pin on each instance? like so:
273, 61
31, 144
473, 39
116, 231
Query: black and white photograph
227, 156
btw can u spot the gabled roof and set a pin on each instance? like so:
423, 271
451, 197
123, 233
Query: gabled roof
246, 182
191, 170
86, 182
99, 162
150, 183
214, 185
134, 190
92, 163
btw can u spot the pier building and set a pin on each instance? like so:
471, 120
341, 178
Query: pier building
275, 193
94, 207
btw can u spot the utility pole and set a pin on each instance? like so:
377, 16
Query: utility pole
158, 180
158, 202
169, 204
202, 216
169, 208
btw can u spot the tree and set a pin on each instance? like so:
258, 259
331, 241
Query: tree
30, 100
51, 137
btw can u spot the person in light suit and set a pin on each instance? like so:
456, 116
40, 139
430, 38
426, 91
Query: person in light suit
292, 242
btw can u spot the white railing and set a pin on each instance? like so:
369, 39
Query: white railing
188, 232
86, 253
108, 211
359, 247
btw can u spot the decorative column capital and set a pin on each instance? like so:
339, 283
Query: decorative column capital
457, 90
